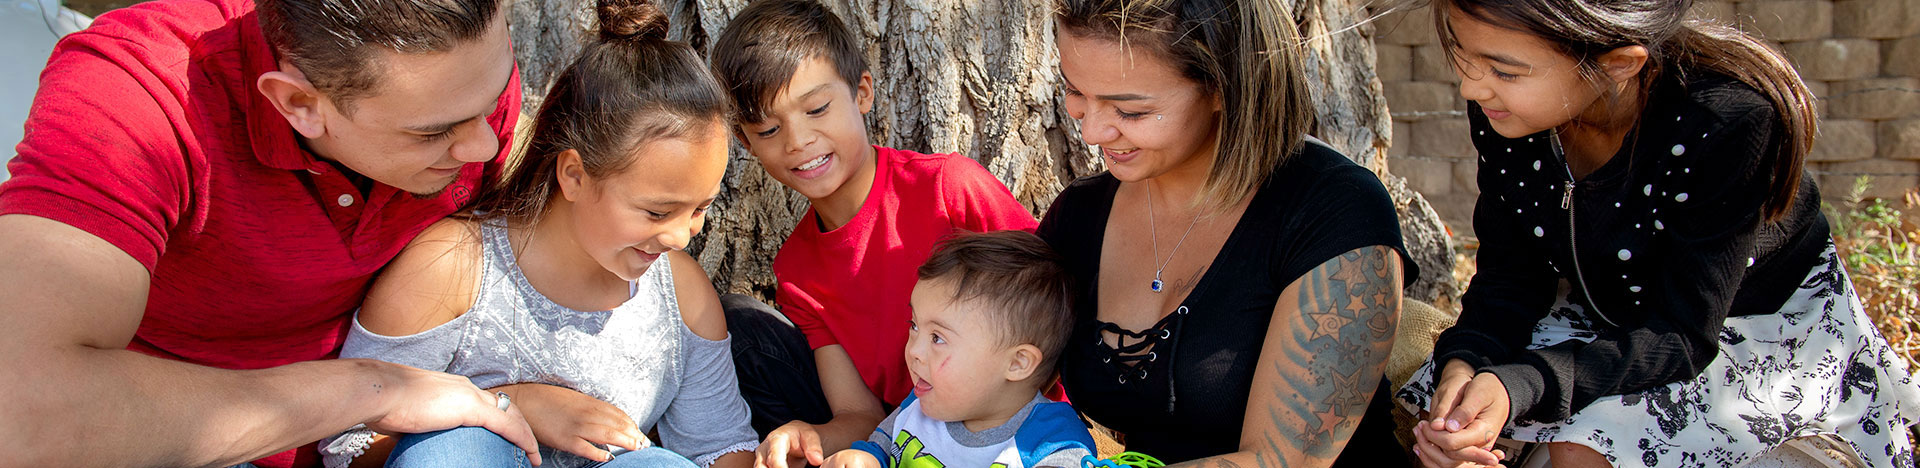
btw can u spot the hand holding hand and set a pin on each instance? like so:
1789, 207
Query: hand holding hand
1446, 391
1432, 456
1465, 434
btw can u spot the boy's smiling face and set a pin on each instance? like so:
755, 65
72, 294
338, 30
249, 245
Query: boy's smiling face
814, 136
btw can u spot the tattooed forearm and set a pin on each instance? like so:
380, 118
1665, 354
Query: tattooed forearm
1331, 364
1321, 363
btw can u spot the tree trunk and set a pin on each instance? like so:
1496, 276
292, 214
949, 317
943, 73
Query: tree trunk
978, 77
1352, 116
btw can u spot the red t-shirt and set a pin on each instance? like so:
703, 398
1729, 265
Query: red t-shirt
850, 286
148, 131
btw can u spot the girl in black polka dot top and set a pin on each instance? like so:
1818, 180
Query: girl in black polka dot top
1656, 284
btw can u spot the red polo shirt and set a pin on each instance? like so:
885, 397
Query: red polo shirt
148, 131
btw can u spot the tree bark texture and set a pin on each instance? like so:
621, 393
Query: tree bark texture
979, 77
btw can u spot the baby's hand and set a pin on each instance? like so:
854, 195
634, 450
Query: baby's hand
851, 458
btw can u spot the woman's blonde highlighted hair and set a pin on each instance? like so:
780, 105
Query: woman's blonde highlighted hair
1244, 53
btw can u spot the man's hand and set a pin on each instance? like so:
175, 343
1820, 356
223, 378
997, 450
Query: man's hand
572, 421
796, 444
425, 401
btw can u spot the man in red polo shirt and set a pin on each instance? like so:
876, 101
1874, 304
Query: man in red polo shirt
205, 189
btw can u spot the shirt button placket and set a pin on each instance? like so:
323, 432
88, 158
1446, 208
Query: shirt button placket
344, 212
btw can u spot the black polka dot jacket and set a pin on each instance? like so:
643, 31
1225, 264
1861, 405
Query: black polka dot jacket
1660, 245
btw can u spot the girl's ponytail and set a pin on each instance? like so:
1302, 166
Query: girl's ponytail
630, 20
629, 87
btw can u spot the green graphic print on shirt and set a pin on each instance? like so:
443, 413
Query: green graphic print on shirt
910, 456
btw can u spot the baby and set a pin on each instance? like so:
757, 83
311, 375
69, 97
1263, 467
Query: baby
991, 313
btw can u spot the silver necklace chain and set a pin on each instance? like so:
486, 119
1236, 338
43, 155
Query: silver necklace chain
1153, 234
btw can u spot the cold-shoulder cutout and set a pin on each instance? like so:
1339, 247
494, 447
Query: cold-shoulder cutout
699, 303
434, 280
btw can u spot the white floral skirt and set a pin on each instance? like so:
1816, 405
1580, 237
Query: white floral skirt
1819, 366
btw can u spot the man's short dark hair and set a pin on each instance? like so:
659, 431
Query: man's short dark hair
1020, 280
332, 41
762, 47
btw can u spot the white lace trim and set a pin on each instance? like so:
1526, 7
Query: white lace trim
706, 461
341, 450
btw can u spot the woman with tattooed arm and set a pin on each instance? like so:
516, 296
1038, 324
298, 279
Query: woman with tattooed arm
1251, 326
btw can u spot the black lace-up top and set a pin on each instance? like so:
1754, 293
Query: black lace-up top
1179, 390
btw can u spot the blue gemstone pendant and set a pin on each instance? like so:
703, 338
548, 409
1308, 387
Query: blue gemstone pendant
1156, 285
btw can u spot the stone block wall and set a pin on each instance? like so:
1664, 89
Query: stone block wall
1860, 57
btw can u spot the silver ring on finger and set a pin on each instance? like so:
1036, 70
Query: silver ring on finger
502, 401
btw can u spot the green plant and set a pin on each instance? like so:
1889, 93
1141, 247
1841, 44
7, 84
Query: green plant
1881, 252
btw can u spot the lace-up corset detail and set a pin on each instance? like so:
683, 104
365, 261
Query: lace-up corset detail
1131, 360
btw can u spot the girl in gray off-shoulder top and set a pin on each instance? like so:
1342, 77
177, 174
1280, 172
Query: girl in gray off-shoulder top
626, 156
640, 356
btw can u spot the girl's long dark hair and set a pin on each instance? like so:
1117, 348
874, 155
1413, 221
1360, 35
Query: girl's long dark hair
628, 87
1587, 29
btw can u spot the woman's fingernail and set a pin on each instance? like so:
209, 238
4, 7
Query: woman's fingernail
1453, 426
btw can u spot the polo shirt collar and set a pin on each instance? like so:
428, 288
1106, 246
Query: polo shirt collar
273, 139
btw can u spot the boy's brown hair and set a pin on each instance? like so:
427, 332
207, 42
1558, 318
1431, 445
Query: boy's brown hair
1024, 285
761, 48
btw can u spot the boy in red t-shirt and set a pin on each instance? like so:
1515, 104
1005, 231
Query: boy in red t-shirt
800, 83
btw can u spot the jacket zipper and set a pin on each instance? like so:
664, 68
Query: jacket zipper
1566, 203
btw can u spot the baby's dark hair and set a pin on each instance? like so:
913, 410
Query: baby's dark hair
630, 87
1020, 280
762, 47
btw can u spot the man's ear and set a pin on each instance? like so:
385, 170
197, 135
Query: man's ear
296, 99
863, 93
571, 174
1623, 64
1025, 362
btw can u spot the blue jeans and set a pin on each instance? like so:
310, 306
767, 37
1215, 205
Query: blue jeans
474, 447
650, 457
480, 448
